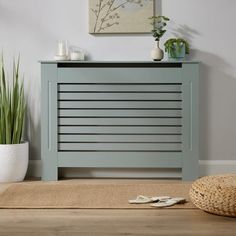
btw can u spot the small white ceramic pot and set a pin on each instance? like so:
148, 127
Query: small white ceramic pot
14, 159
157, 54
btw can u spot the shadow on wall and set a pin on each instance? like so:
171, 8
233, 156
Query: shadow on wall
33, 134
216, 114
217, 99
32, 122
184, 31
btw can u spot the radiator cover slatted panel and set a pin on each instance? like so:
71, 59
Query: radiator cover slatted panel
120, 117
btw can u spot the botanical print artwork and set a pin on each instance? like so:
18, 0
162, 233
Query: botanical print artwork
120, 16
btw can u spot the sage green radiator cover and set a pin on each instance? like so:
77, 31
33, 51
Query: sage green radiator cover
120, 115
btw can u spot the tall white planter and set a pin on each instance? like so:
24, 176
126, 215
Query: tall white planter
14, 159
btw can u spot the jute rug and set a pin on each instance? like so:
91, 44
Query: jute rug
75, 195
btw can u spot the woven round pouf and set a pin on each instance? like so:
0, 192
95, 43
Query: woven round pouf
215, 194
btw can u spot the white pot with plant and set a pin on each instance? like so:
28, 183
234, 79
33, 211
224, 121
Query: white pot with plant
14, 153
159, 24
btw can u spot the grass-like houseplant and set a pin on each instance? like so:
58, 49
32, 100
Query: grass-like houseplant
176, 48
159, 24
13, 151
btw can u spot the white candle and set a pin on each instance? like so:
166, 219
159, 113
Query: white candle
61, 51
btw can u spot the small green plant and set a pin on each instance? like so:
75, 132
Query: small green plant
12, 106
174, 46
159, 23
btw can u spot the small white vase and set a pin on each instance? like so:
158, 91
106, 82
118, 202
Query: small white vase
14, 160
157, 54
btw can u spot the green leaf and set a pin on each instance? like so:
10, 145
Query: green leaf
12, 106
159, 23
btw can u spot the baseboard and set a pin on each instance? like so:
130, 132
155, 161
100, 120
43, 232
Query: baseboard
205, 168
216, 167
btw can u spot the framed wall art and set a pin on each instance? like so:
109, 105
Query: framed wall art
120, 16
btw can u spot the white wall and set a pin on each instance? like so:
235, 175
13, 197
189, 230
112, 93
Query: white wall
32, 27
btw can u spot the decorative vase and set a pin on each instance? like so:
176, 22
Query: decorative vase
14, 160
157, 54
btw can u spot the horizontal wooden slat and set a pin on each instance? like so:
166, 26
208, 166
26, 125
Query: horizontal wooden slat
118, 130
120, 113
120, 121
117, 88
120, 96
120, 159
119, 105
120, 75
120, 146
119, 138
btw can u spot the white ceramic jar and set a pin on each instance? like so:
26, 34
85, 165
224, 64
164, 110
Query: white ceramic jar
76, 56
14, 159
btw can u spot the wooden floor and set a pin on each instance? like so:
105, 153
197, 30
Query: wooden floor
113, 222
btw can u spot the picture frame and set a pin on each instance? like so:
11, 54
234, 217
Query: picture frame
120, 16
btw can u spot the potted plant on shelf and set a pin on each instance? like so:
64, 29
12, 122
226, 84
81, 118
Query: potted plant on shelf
176, 48
159, 23
13, 151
